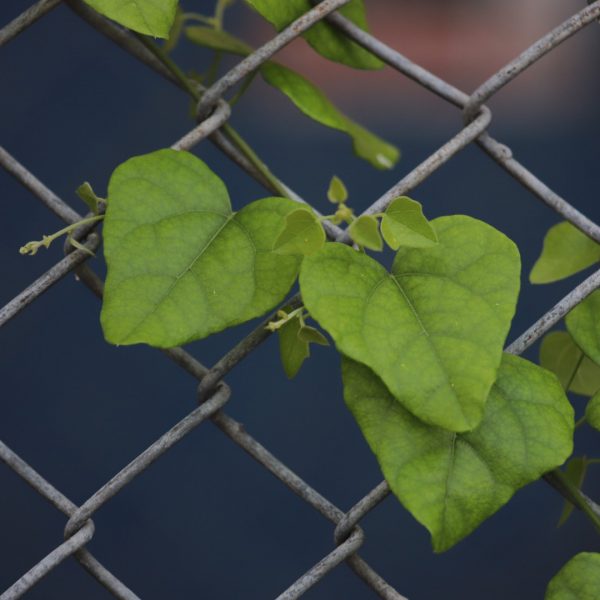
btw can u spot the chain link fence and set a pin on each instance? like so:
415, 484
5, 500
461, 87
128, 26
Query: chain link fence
213, 391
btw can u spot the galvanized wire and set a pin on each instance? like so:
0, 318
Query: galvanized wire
213, 393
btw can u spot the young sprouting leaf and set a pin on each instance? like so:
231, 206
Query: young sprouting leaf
365, 232
292, 348
583, 323
302, 233
217, 40
312, 336
592, 411
452, 482
337, 192
152, 17
579, 579
560, 354
313, 103
575, 471
403, 224
181, 264
87, 194
566, 251
324, 38
433, 329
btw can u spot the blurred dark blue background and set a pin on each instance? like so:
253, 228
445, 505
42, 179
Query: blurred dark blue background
206, 520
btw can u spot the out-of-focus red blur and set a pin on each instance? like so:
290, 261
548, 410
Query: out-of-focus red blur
464, 42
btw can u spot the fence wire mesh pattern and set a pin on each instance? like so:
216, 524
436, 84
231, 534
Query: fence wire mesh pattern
213, 392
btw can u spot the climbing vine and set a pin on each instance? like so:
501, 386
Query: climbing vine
456, 424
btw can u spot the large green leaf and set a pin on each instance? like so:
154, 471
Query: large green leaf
306, 96
566, 251
452, 482
579, 579
433, 329
181, 264
326, 40
152, 17
583, 323
560, 354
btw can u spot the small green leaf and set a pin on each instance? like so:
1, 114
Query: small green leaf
575, 473
579, 579
560, 354
152, 17
302, 234
292, 348
217, 40
592, 412
312, 336
87, 194
433, 329
583, 323
313, 103
325, 39
452, 482
181, 264
404, 224
337, 192
365, 232
566, 251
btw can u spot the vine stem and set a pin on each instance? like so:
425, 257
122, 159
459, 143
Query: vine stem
229, 131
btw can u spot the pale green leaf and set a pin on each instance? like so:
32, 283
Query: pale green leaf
312, 335
575, 471
403, 224
152, 17
592, 411
583, 323
365, 232
87, 194
181, 264
452, 482
217, 40
579, 579
302, 233
337, 192
292, 348
325, 39
560, 354
313, 103
433, 329
566, 251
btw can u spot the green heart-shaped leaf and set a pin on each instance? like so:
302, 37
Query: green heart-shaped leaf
404, 224
433, 329
181, 264
566, 251
452, 482
302, 233
365, 232
583, 323
579, 579
152, 17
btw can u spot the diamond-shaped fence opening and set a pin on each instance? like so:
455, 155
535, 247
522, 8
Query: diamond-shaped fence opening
213, 392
